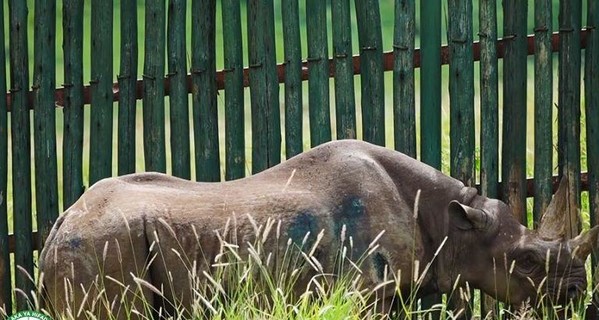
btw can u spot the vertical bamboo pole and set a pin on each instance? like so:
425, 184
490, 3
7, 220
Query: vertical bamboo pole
264, 86
569, 106
404, 104
234, 102
153, 89
177, 73
21, 146
514, 107
591, 76
489, 104
430, 82
461, 90
100, 163
5, 270
371, 57
345, 102
72, 167
203, 69
293, 78
318, 72
127, 79
543, 166
44, 84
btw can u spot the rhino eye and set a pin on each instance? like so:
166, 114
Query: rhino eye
527, 263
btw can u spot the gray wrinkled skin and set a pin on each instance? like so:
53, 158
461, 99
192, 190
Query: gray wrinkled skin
364, 187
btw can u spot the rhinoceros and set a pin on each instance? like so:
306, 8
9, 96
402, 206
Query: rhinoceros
348, 187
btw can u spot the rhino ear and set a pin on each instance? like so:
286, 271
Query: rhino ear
464, 217
585, 243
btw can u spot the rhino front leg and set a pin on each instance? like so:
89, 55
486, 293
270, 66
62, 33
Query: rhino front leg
96, 274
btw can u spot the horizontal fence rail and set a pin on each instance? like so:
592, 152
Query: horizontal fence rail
388, 61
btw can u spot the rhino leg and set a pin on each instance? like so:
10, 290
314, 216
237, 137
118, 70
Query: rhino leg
86, 272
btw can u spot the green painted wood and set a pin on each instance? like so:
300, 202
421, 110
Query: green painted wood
461, 91
543, 165
153, 88
513, 172
127, 79
234, 100
430, 97
293, 78
569, 105
72, 167
430, 82
345, 101
489, 98
44, 126
5, 270
264, 87
318, 72
591, 76
177, 73
489, 121
21, 146
100, 163
371, 57
203, 69
404, 104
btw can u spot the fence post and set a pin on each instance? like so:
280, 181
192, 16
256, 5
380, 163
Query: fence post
264, 86
591, 77
5, 272
404, 105
543, 166
127, 79
345, 101
371, 57
514, 107
203, 70
569, 106
318, 72
234, 102
21, 146
100, 159
72, 167
153, 92
44, 84
430, 82
177, 74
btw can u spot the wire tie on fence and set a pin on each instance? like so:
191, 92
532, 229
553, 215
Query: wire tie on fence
509, 37
541, 29
170, 74
228, 69
197, 71
93, 81
35, 87
460, 41
590, 27
566, 30
149, 77
368, 48
400, 47
340, 55
120, 77
14, 90
67, 85
255, 65
313, 59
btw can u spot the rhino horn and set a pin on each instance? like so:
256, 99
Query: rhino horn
585, 243
555, 220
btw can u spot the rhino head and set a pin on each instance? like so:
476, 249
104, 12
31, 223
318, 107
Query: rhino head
513, 263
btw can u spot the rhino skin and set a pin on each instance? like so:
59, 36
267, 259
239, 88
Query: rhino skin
365, 187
